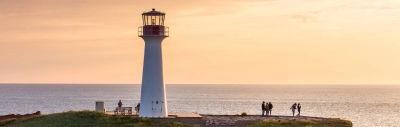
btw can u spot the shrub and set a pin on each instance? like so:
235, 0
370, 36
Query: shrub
244, 114
175, 124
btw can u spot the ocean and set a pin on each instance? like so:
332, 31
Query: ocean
364, 105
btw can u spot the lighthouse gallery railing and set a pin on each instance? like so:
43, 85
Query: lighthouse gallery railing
153, 30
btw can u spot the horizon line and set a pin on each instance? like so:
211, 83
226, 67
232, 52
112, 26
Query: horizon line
179, 84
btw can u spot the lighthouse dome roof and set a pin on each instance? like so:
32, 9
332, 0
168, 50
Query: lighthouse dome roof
153, 12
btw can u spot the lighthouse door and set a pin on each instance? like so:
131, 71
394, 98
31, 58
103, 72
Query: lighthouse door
157, 106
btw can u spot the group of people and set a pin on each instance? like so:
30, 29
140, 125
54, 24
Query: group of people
120, 105
294, 107
267, 108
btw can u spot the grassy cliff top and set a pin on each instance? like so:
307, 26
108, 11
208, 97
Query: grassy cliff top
80, 119
96, 119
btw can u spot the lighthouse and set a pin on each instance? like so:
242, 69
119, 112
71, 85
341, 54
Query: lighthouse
153, 101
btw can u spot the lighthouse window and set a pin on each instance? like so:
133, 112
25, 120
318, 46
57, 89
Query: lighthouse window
153, 19
156, 102
162, 20
146, 20
143, 20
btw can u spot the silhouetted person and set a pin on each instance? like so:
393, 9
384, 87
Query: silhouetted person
293, 108
263, 108
270, 106
298, 108
119, 103
266, 109
138, 107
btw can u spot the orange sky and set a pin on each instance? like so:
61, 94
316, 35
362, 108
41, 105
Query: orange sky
224, 41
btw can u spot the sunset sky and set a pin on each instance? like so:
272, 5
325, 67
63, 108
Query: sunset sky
211, 41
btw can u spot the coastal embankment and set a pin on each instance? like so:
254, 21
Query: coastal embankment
15, 116
91, 118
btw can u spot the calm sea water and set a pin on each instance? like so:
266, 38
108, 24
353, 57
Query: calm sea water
365, 105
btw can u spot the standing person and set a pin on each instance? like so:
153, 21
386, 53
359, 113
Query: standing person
263, 108
138, 107
298, 108
270, 108
119, 103
293, 108
266, 109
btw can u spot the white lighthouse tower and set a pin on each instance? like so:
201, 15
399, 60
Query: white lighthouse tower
153, 101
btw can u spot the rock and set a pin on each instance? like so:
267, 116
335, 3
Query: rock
216, 122
231, 123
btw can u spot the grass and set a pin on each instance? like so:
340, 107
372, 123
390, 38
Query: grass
174, 124
96, 119
85, 119
330, 122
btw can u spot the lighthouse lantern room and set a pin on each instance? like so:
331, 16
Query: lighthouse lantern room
153, 24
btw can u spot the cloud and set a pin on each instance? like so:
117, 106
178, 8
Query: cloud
307, 16
312, 10
213, 9
333, 27
376, 4
71, 23
387, 7
220, 7
10, 15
